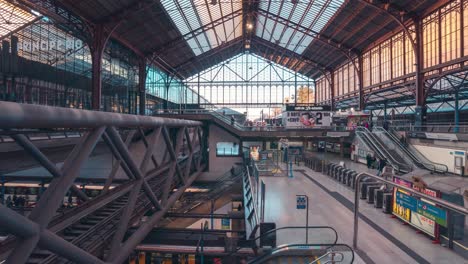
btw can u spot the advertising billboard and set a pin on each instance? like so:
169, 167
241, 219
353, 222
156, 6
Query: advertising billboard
417, 212
307, 119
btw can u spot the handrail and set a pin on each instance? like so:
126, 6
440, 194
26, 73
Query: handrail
15, 115
252, 200
417, 154
327, 254
269, 232
397, 165
442, 203
432, 166
289, 247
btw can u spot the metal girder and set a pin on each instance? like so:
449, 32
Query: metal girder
289, 53
181, 39
209, 54
307, 31
52, 199
14, 115
38, 230
49, 8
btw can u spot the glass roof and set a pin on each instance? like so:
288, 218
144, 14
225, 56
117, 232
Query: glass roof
313, 15
192, 15
13, 17
248, 68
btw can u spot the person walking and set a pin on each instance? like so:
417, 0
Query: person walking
382, 164
369, 160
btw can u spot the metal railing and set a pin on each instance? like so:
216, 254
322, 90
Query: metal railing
382, 150
307, 250
414, 154
432, 127
33, 232
437, 201
250, 205
298, 235
226, 119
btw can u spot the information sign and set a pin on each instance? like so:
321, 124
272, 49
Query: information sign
432, 212
301, 201
407, 207
225, 223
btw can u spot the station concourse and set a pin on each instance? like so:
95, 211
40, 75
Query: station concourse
233, 131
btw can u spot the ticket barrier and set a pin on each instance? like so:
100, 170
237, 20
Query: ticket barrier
371, 193
331, 168
338, 172
318, 166
343, 175
352, 179
363, 188
335, 171
379, 198
387, 203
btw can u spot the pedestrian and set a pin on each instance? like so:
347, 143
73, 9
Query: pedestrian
232, 120
382, 164
15, 199
369, 160
9, 202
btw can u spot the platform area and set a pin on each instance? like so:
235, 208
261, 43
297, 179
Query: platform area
382, 238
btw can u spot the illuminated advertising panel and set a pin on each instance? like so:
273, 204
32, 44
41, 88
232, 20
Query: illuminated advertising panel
418, 212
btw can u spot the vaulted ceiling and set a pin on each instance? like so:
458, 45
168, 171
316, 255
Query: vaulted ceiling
188, 36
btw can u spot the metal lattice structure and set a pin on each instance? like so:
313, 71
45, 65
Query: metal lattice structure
154, 183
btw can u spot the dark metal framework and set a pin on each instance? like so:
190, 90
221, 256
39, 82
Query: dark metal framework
174, 172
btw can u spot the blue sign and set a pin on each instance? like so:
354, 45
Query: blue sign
225, 223
432, 212
301, 201
406, 201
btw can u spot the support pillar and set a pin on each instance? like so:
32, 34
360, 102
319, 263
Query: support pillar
332, 91
420, 110
97, 45
361, 103
457, 113
142, 73
385, 111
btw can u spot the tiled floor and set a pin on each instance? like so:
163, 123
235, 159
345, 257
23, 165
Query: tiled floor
326, 210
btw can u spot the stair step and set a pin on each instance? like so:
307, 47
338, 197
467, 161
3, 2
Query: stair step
34, 260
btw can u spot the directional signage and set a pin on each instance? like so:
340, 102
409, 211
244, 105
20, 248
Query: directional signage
432, 212
301, 201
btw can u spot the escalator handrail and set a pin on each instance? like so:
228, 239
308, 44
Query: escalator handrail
253, 240
404, 149
411, 152
377, 149
399, 166
288, 247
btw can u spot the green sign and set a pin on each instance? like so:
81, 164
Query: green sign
432, 212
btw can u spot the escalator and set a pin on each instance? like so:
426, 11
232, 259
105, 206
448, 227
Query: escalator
398, 163
308, 253
91, 225
412, 153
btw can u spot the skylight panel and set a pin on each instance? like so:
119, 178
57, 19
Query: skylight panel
191, 15
309, 14
12, 17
